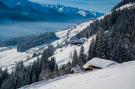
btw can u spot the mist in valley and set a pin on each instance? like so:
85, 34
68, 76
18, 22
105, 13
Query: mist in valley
19, 29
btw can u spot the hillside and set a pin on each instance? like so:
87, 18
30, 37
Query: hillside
120, 76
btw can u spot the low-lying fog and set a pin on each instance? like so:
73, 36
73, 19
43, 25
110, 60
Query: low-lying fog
16, 29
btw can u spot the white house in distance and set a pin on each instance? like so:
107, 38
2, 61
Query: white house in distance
98, 63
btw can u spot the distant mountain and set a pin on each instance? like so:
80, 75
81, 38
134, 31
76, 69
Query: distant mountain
27, 10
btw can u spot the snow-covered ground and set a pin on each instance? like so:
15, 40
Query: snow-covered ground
9, 57
117, 77
64, 55
74, 30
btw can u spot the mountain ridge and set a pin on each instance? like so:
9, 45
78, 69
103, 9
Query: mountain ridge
27, 10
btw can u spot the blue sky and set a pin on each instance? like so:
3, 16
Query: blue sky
94, 5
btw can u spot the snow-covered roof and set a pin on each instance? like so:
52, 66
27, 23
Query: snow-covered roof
99, 62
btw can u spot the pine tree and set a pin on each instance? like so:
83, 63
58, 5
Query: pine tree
52, 64
3, 75
82, 57
33, 78
56, 72
92, 51
75, 59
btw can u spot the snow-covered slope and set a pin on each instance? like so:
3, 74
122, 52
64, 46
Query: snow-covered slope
64, 54
129, 5
74, 30
27, 10
117, 77
9, 57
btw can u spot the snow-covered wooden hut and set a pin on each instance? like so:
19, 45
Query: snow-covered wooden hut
77, 41
98, 63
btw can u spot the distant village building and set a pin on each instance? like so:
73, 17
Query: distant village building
98, 63
77, 41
